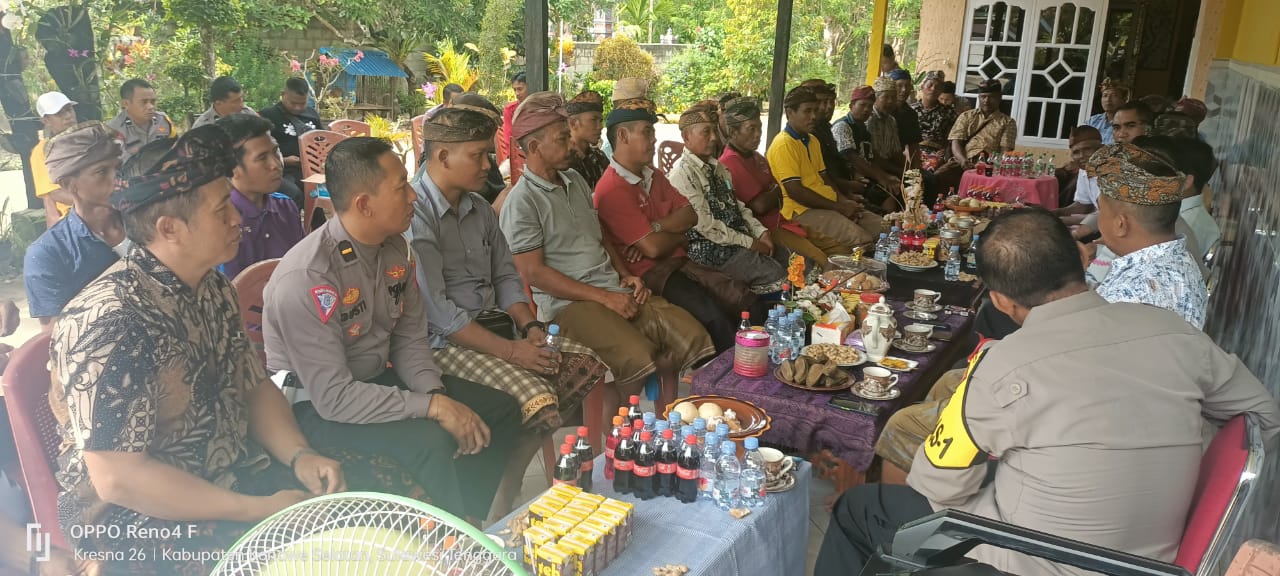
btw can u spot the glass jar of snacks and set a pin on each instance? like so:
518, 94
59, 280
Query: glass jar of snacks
864, 304
947, 238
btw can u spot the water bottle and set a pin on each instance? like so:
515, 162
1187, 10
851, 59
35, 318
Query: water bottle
771, 328
722, 430
952, 271
745, 323
685, 432
676, 422
1039, 167
648, 419
700, 430
882, 247
553, 338
753, 474
999, 164
798, 328
707, 472
658, 427
1049, 168
728, 487
895, 241
784, 338
971, 256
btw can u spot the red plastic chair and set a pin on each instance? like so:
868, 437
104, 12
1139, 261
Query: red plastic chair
350, 128
1228, 471
249, 284
668, 152
315, 146
26, 397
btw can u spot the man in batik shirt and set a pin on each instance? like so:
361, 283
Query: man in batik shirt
985, 129
169, 422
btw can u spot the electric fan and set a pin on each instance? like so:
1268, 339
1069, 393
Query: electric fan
358, 533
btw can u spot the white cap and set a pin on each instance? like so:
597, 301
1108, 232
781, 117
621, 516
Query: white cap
52, 103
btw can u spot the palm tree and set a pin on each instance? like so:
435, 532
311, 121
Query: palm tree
449, 66
644, 14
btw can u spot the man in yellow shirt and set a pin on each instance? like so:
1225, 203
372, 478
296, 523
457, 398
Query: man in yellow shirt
57, 113
808, 196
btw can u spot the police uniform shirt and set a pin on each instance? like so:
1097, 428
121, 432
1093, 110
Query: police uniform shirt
336, 311
1096, 413
135, 136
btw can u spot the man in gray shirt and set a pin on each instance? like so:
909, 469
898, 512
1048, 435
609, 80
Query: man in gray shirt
578, 280
479, 319
226, 97
342, 304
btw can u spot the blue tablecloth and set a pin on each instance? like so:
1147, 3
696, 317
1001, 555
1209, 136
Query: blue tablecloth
772, 540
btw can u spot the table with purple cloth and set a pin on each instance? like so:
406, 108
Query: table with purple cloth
1042, 191
806, 422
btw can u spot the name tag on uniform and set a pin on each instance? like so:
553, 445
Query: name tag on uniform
950, 446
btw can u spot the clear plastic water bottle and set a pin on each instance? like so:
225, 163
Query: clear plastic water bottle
722, 430
895, 241
659, 426
648, 418
797, 332
675, 422
771, 327
971, 256
707, 472
700, 430
687, 431
553, 338
753, 474
952, 271
1049, 168
882, 247
784, 338
728, 485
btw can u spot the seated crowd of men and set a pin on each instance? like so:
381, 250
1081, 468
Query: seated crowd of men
404, 355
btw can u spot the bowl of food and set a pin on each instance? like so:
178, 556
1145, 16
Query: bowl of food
744, 418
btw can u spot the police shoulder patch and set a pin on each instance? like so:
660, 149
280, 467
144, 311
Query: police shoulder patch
326, 300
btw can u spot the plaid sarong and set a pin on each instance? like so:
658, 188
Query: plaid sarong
543, 400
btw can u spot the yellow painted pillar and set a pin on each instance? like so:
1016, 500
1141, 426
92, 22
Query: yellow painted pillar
878, 19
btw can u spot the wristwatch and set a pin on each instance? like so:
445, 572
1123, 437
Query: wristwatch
655, 226
524, 330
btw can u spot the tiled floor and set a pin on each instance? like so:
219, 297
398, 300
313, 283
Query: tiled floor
535, 482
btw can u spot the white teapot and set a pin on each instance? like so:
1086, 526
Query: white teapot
878, 330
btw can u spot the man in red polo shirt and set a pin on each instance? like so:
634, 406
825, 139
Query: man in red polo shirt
648, 220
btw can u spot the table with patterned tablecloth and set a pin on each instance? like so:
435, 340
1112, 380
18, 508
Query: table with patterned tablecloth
807, 422
1042, 191
772, 540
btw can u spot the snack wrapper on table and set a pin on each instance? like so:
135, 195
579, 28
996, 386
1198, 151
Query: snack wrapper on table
575, 533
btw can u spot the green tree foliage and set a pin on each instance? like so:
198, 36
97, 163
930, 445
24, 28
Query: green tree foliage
694, 74
620, 57
210, 18
499, 20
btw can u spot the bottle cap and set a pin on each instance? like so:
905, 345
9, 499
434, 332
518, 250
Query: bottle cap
617, 420
690, 439
565, 449
570, 439
746, 315
728, 447
675, 419
712, 439
667, 434
553, 329
646, 436
623, 411
773, 313
634, 399
884, 234
700, 423
752, 443
661, 425
649, 416
626, 431
688, 431
723, 430
637, 424
582, 431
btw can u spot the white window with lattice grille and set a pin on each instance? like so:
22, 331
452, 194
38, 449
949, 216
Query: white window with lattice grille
1044, 52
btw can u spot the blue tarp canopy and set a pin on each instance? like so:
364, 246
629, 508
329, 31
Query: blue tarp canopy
371, 63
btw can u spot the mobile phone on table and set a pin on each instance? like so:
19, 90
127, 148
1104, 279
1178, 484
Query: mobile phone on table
855, 405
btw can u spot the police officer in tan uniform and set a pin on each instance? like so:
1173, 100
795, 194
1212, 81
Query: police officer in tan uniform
343, 304
1094, 411
139, 121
